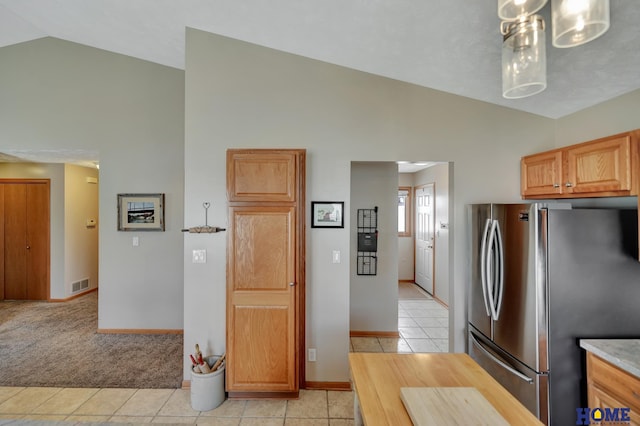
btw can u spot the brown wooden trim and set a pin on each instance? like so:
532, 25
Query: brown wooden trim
301, 264
407, 281
408, 215
25, 180
186, 385
138, 331
75, 296
357, 333
264, 395
332, 386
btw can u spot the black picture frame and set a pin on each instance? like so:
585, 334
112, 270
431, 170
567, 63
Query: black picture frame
327, 214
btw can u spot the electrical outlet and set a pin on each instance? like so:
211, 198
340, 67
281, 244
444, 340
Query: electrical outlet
312, 354
199, 256
135, 241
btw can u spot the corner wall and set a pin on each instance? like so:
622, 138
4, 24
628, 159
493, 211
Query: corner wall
240, 95
374, 298
81, 241
58, 95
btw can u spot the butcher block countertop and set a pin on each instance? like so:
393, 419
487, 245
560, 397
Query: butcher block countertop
623, 353
378, 379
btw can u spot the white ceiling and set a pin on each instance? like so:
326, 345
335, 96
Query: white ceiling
448, 45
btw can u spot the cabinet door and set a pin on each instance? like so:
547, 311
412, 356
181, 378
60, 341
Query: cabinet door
15, 241
261, 296
599, 398
541, 174
265, 272
600, 166
260, 176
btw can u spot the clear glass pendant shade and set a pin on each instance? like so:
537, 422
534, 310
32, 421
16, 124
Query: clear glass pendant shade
576, 22
509, 10
524, 61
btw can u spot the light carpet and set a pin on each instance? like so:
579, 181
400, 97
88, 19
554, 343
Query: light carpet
56, 345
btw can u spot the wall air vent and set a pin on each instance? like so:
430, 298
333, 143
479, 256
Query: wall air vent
80, 285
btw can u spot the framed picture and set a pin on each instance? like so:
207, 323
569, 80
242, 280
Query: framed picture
327, 214
140, 212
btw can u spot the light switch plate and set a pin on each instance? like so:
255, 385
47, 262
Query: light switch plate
336, 256
135, 241
199, 256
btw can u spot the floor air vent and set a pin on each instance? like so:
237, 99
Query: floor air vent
80, 285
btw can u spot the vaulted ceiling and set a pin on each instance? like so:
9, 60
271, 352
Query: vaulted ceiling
448, 45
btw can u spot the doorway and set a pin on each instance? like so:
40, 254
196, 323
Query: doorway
375, 312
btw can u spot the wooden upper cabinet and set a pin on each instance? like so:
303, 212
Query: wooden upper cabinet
263, 177
600, 168
541, 174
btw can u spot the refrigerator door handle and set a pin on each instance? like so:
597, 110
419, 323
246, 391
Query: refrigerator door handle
492, 277
500, 277
483, 265
500, 363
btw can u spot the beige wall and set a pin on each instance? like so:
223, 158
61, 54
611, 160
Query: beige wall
81, 241
374, 298
243, 95
64, 96
59, 95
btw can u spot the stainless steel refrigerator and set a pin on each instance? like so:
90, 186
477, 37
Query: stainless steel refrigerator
543, 277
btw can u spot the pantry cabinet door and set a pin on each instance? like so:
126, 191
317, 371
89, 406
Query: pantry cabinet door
261, 301
265, 272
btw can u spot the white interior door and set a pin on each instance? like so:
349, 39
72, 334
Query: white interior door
424, 226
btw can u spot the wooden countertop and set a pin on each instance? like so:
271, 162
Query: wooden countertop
378, 377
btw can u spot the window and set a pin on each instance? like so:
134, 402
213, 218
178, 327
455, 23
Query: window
404, 211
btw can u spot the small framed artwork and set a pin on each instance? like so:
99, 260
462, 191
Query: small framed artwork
140, 212
327, 214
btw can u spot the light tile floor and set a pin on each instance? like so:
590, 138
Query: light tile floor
37, 405
423, 327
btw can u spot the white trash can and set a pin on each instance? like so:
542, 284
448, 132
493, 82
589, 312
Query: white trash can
207, 390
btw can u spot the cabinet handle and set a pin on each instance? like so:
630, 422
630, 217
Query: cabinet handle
556, 185
292, 284
568, 184
28, 247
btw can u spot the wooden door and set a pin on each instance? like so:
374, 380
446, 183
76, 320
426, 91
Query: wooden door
25, 239
265, 272
425, 237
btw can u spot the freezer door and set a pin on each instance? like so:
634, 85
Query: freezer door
479, 311
520, 328
529, 387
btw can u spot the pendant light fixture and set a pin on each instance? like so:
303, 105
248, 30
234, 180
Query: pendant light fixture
575, 22
524, 61
510, 10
